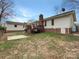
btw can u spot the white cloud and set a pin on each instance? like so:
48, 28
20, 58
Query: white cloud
22, 15
20, 19
25, 12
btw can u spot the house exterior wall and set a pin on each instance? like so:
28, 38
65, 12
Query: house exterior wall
11, 27
64, 23
48, 25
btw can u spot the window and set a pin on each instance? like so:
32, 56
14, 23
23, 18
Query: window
45, 22
15, 25
52, 21
23, 26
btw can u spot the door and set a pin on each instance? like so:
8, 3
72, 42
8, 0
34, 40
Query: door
63, 30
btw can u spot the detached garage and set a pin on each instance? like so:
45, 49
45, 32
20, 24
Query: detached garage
14, 26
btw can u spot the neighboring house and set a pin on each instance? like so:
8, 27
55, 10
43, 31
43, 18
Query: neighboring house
14, 26
61, 23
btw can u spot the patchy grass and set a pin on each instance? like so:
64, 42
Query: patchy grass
46, 45
59, 36
71, 38
6, 45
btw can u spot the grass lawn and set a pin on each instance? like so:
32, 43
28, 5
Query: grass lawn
41, 46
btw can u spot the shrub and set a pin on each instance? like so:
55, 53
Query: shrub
2, 28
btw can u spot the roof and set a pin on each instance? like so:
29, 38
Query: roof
16, 23
62, 15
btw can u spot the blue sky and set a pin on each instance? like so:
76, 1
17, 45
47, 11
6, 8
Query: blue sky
30, 9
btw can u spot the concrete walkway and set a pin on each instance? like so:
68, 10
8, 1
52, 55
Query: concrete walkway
17, 37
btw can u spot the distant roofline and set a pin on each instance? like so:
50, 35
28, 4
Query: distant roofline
62, 14
17, 23
59, 15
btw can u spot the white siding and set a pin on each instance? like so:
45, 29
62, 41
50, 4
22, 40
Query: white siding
62, 22
48, 24
12, 27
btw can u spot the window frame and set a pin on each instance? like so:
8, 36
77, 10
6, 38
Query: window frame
45, 23
52, 21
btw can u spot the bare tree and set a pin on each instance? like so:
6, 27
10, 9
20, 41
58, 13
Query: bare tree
57, 9
72, 4
5, 9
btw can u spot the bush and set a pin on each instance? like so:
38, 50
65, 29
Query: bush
2, 28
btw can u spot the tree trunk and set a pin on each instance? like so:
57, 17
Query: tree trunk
0, 21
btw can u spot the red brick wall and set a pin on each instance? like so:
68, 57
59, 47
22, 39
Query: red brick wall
58, 30
53, 30
68, 30
14, 30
